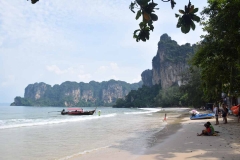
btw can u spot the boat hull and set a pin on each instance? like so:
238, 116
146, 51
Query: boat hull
78, 113
203, 116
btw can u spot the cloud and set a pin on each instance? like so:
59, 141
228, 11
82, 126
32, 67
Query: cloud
84, 77
102, 68
8, 80
114, 66
137, 79
73, 70
55, 69
114, 77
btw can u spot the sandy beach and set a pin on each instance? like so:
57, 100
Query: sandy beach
185, 144
179, 140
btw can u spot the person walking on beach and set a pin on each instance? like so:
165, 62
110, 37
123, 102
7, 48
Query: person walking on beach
224, 113
165, 118
216, 111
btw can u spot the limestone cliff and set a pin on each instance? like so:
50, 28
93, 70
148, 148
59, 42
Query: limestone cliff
169, 63
75, 94
147, 77
38, 89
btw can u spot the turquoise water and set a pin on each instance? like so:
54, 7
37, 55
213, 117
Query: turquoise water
43, 133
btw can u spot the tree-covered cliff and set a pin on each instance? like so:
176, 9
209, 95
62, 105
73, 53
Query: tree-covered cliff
169, 63
170, 82
75, 94
143, 97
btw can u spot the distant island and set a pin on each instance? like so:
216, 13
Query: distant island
75, 94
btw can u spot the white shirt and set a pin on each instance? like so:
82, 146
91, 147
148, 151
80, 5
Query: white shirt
215, 110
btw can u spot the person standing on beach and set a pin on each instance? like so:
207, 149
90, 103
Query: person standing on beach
216, 111
224, 113
165, 118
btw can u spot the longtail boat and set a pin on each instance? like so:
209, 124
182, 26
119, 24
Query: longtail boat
77, 111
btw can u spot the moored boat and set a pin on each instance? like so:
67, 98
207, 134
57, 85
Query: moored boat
202, 116
77, 111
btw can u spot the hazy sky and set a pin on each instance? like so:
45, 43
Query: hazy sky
78, 40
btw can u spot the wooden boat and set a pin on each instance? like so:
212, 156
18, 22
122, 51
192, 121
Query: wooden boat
77, 111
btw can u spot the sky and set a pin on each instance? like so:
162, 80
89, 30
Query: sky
79, 40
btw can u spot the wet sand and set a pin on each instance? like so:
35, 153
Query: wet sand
179, 140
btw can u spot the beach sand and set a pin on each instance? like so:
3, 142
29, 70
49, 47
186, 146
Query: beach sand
185, 144
179, 141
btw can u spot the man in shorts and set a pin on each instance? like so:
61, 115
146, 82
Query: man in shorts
216, 111
224, 113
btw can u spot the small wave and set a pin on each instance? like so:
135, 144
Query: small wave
16, 123
148, 111
82, 153
175, 109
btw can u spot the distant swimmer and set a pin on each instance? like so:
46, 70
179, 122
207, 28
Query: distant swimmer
165, 118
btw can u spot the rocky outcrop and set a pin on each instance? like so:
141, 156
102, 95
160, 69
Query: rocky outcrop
147, 77
87, 95
36, 91
112, 93
169, 63
75, 94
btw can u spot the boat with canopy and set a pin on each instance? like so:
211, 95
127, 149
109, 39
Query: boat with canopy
77, 111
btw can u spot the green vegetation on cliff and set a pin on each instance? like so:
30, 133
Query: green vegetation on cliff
143, 97
75, 94
189, 94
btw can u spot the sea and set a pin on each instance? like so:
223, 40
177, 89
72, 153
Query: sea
42, 133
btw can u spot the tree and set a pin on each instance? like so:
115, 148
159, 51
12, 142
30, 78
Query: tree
218, 56
192, 93
146, 9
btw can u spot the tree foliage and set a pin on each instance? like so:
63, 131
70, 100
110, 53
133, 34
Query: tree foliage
34, 1
218, 57
142, 97
192, 92
146, 9
169, 97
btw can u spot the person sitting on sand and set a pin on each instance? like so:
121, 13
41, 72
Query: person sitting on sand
211, 127
206, 132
